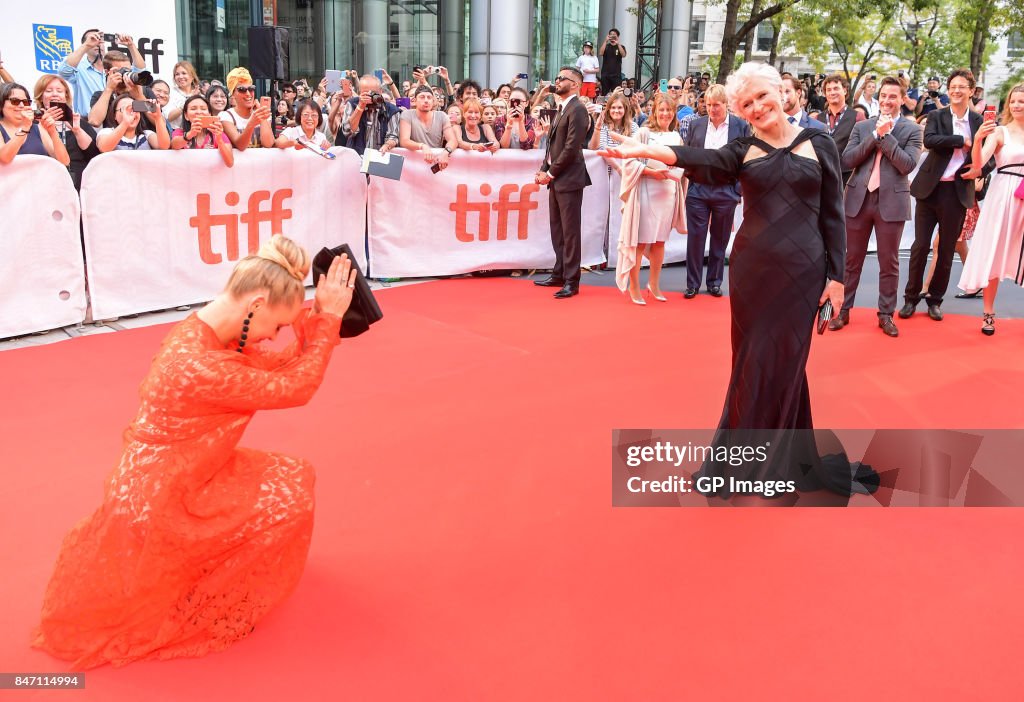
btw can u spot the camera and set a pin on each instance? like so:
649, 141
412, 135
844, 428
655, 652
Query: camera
627, 92
142, 78
110, 38
377, 100
873, 77
37, 115
933, 94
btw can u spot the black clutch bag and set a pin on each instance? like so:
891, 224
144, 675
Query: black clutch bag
824, 314
364, 309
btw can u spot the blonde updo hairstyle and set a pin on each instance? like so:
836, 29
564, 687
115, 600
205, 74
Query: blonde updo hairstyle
279, 267
738, 83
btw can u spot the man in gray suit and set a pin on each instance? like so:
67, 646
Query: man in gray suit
882, 151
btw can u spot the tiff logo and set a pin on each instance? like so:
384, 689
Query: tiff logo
522, 205
204, 221
147, 47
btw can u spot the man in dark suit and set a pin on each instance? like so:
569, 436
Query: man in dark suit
564, 171
882, 151
792, 105
943, 195
839, 117
711, 207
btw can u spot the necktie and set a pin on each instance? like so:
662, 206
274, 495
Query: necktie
876, 173
792, 120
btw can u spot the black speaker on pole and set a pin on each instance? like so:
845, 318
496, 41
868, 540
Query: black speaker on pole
268, 52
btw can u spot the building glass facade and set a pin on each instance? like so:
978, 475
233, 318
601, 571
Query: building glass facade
364, 35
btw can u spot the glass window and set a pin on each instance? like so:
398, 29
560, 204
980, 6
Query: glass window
559, 29
764, 37
697, 34
1015, 44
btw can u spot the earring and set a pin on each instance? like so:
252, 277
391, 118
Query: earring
245, 332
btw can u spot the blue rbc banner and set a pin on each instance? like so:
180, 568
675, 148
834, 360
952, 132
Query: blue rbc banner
53, 42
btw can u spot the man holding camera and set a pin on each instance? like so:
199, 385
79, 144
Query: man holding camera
933, 99
368, 122
120, 78
91, 78
612, 53
564, 171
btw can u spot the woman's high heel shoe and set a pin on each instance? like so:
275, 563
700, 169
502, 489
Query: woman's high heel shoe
659, 298
634, 300
988, 326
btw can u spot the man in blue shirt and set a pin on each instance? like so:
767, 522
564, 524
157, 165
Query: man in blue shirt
88, 79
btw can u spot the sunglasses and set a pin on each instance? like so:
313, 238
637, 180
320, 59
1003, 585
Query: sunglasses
245, 89
675, 87
561, 78
19, 102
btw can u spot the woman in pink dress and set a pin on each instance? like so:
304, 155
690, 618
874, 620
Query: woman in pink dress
196, 538
997, 250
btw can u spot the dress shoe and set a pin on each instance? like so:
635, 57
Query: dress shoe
839, 321
988, 326
657, 296
715, 291
637, 300
935, 313
568, 290
968, 295
690, 293
550, 282
887, 325
908, 309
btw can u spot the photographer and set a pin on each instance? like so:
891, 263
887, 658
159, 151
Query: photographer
516, 130
20, 134
933, 99
612, 54
368, 122
245, 124
91, 78
120, 80
129, 134
193, 135
426, 130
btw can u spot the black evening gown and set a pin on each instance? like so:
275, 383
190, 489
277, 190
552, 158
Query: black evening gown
792, 239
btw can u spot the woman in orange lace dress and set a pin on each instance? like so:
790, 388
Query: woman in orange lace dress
196, 539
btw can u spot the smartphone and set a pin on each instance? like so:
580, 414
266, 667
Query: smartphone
436, 168
523, 76
333, 80
663, 85
265, 101
143, 106
602, 100
207, 121
990, 113
404, 102
66, 115
380, 75
549, 114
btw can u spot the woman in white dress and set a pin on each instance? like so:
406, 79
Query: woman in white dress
997, 249
652, 197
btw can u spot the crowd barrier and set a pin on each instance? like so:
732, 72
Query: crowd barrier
42, 280
164, 229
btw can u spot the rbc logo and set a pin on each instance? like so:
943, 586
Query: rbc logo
53, 42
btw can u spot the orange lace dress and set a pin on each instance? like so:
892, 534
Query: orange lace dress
196, 539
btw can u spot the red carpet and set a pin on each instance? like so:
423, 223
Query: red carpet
465, 546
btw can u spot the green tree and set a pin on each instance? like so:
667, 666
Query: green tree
736, 33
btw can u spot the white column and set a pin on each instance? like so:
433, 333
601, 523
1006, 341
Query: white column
453, 38
375, 35
627, 24
499, 41
675, 37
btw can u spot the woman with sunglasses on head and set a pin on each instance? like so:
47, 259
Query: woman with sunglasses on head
77, 136
194, 135
516, 130
20, 134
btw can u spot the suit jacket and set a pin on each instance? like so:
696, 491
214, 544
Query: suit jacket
563, 158
738, 128
901, 148
808, 122
940, 141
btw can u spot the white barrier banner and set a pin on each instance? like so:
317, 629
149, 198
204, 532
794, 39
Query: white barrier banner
482, 212
165, 228
42, 279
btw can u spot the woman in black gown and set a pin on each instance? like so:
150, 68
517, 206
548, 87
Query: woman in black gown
787, 259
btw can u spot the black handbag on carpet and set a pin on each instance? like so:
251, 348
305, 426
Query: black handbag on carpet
364, 309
